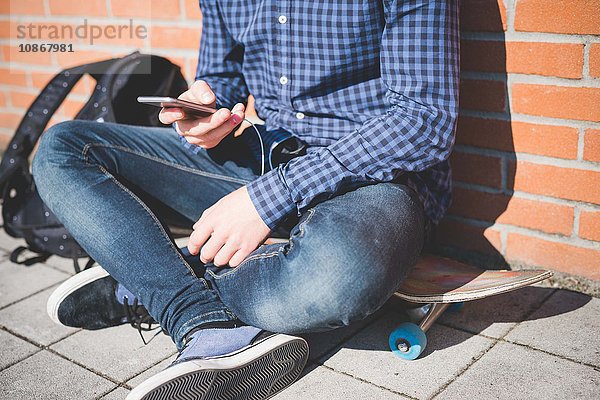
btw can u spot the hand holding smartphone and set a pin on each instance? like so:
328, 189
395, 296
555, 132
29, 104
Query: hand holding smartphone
192, 109
195, 117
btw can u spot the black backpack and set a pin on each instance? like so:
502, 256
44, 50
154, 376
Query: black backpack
119, 82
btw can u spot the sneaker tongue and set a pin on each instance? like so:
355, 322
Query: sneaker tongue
213, 342
121, 292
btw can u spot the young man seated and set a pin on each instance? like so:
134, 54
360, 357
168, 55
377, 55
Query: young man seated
370, 87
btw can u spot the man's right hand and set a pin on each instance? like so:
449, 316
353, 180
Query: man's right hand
205, 132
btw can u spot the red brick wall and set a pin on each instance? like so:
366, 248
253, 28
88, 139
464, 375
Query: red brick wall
527, 159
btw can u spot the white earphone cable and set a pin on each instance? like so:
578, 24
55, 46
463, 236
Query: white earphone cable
262, 147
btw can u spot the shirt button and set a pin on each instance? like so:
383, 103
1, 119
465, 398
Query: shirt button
300, 115
283, 80
282, 19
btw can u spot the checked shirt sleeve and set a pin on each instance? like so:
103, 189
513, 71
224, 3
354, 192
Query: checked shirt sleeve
220, 58
420, 67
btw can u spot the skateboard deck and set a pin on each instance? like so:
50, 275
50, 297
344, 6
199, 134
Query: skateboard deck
441, 280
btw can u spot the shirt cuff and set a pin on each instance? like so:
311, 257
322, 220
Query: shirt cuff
271, 197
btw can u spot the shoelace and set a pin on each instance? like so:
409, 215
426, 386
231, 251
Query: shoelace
137, 316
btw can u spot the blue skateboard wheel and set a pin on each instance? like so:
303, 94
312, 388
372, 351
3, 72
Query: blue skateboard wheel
407, 341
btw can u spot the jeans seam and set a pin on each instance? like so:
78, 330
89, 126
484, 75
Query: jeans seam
154, 219
198, 317
311, 213
254, 257
88, 146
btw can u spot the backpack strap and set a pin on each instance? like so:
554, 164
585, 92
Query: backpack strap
38, 115
14, 257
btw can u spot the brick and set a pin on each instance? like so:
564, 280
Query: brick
134, 34
22, 99
466, 236
192, 66
10, 120
589, 225
5, 29
149, 9
549, 59
89, 8
520, 137
517, 211
70, 107
12, 77
2, 99
192, 10
566, 16
5, 139
483, 15
12, 54
484, 95
66, 60
22, 7
477, 169
55, 120
595, 60
557, 101
591, 145
548, 180
170, 37
555, 255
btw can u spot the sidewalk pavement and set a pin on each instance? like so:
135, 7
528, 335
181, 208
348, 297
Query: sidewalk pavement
535, 343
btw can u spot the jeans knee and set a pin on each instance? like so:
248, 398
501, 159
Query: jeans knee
56, 143
58, 147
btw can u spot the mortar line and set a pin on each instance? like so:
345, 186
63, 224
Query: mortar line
339, 343
367, 382
463, 370
50, 350
32, 294
495, 342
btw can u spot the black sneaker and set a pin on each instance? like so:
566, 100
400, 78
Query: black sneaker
93, 299
259, 370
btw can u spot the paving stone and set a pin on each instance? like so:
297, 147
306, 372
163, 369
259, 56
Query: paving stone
19, 281
151, 371
64, 264
48, 376
567, 325
118, 394
367, 357
9, 243
116, 352
13, 349
322, 383
509, 371
495, 316
323, 342
29, 319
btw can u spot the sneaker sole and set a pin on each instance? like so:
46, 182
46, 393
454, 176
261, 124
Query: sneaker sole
256, 373
69, 286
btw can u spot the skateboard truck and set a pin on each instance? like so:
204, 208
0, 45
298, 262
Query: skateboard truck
437, 284
409, 340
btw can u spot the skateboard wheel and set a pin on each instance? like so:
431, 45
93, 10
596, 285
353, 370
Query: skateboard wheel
456, 307
407, 341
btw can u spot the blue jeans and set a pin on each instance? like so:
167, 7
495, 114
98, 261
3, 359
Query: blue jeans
114, 186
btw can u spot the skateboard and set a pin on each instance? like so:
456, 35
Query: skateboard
438, 283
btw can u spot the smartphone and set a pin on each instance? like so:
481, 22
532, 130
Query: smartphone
187, 106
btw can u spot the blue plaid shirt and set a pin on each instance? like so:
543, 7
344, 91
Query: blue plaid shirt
370, 85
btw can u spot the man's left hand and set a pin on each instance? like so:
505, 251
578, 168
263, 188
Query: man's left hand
228, 231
